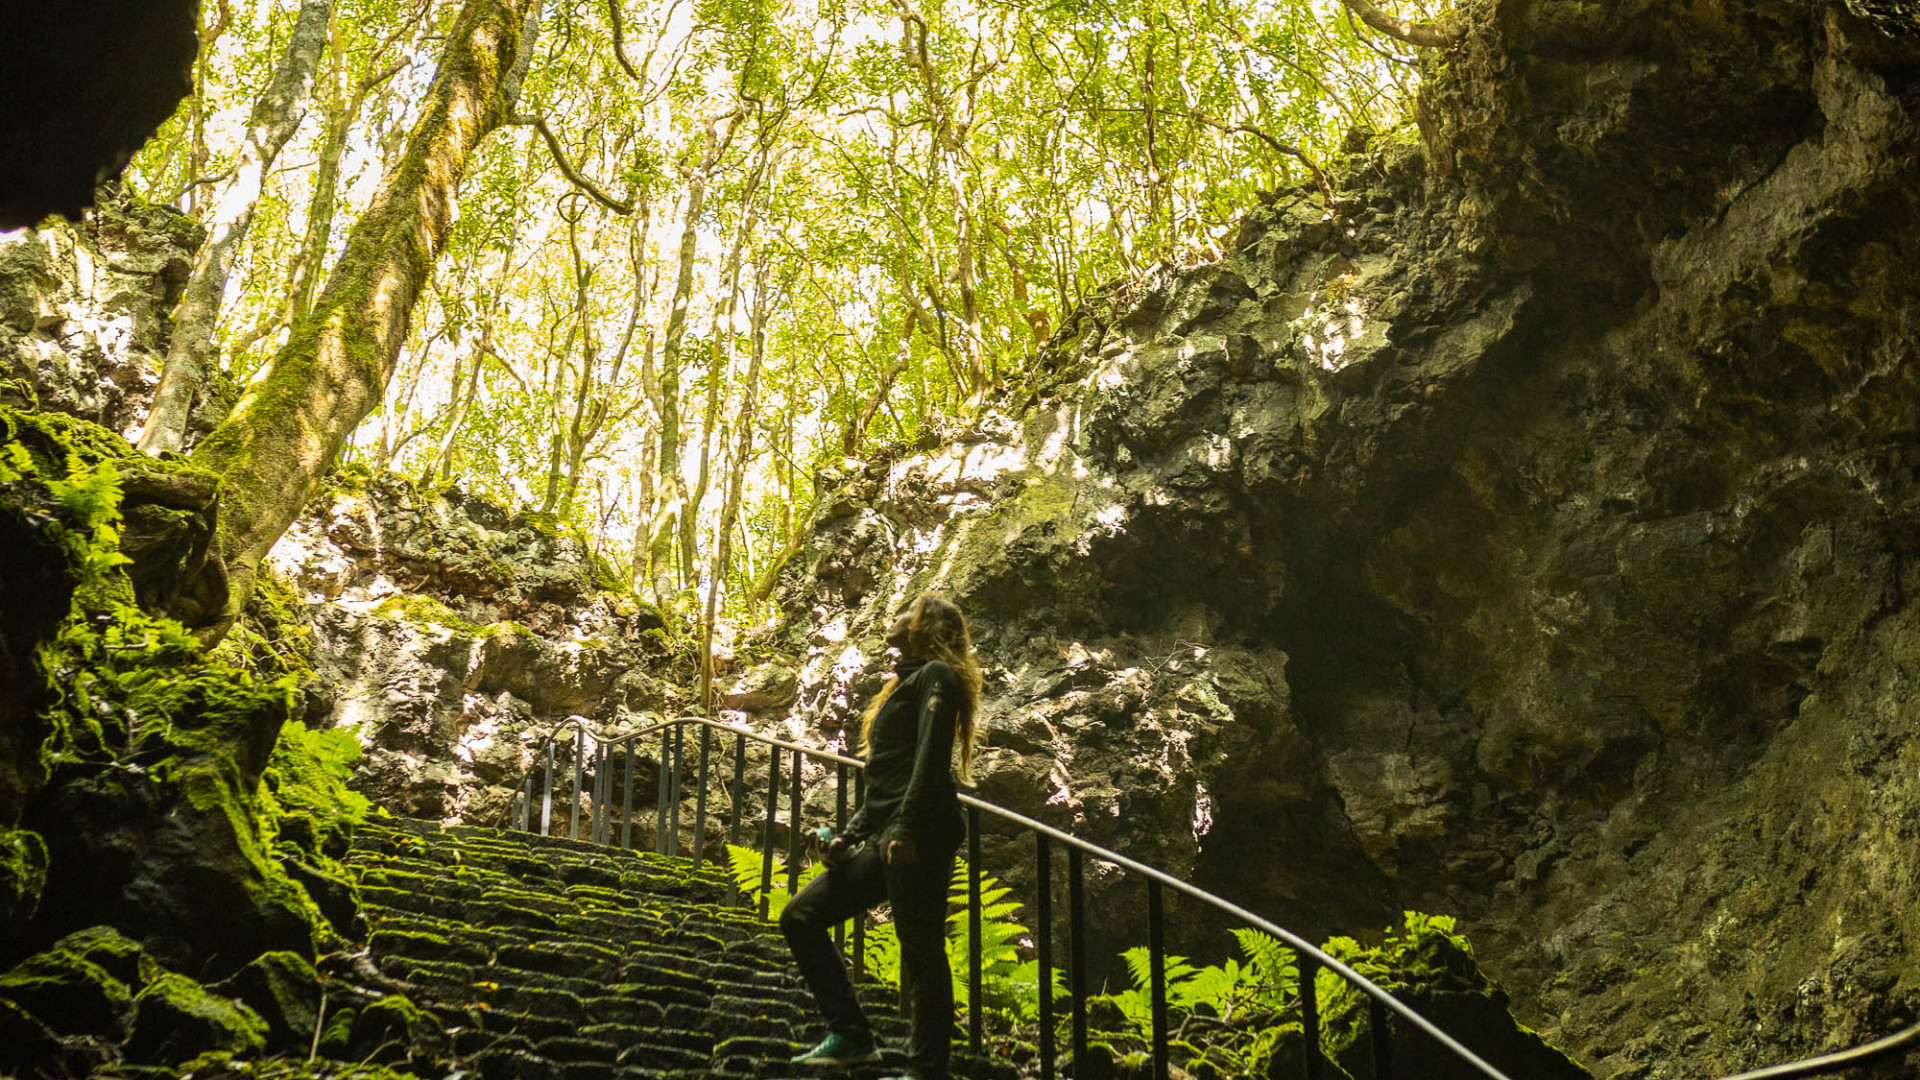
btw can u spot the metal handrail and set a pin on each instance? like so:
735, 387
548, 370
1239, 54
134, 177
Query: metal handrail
1310, 957
1839, 1061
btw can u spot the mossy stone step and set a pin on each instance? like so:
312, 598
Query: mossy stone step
507, 975
574, 958
625, 1011
425, 945
440, 981
572, 1048
472, 1040
515, 1065
662, 1056
528, 1025
514, 998
551, 958
498, 914
382, 897
754, 1001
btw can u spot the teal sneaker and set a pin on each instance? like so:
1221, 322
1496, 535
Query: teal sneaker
838, 1049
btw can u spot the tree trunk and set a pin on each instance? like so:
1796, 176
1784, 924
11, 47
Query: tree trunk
290, 426
340, 108
340, 114
275, 117
723, 334
742, 456
661, 549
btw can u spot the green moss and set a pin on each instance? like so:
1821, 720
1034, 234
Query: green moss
394, 1029
307, 778
285, 990
83, 985
543, 523
506, 628
422, 610
176, 1018
122, 686
118, 677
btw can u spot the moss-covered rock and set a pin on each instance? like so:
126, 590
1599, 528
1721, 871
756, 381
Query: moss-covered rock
176, 1018
1431, 967
394, 1029
135, 757
283, 989
83, 986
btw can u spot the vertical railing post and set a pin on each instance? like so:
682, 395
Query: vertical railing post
660, 792
793, 827
546, 797
976, 1008
1077, 955
840, 823
519, 812
626, 801
859, 921
735, 795
1157, 953
606, 793
579, 752
766, 846
1310, 1019
1382, 1036
593, 798
1043, 946
700, 798
601, 815
673, 792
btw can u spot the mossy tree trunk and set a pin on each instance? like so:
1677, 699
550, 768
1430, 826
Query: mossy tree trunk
275, 118
292, 423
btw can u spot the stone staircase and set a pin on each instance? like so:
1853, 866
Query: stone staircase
551, 959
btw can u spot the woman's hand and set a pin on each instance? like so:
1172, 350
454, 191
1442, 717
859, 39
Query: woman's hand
901, 851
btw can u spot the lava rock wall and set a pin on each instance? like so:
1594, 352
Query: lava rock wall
86, 311
452, 637
1526, 534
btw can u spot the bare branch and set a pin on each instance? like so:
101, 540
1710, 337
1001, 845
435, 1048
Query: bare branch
620, 43
572, 174
1277, 145
1425, 35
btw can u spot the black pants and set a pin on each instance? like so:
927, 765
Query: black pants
918, 893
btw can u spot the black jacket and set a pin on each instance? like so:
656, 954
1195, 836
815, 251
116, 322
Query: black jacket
910, 792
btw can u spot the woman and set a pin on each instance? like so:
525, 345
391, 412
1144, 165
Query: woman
899, 847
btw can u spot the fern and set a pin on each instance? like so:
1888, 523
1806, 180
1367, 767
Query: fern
744, 865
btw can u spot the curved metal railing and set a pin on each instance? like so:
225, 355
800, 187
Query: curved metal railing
668, 797
1833, 1064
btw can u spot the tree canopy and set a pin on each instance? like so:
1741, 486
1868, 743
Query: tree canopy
715, 243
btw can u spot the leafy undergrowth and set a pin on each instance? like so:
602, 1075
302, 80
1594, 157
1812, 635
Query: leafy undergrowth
1238, 1018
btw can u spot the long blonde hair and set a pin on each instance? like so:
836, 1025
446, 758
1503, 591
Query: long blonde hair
937, 631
